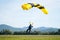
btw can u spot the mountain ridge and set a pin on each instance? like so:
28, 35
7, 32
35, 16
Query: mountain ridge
42, 29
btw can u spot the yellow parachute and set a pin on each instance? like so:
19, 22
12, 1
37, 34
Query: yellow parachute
28, 6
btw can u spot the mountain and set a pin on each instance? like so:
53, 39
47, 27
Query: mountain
46, 29
3, 26
42, 29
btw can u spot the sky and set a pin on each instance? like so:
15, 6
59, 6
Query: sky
12, 14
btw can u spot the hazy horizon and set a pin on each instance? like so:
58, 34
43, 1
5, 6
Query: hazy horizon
26, 26
12, 14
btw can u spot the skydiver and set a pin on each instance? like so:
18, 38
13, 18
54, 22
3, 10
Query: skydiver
29, 28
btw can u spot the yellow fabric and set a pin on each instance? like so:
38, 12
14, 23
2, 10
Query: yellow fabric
44, 11
34, 3
31, 23
26, 6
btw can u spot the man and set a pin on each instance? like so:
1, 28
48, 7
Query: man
29, 28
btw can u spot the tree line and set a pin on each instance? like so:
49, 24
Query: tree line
9, 32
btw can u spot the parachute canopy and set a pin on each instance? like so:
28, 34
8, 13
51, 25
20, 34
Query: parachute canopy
28, 6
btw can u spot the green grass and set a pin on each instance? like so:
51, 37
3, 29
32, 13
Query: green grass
29, 37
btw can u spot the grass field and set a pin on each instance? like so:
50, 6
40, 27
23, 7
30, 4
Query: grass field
29, 37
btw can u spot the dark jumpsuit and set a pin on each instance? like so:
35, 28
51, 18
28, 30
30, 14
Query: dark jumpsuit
29, 28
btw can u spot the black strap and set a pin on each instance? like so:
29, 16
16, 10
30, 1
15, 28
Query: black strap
31, 4
37, 5
41, 7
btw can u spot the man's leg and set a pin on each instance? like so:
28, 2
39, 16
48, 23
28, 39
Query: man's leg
27, 30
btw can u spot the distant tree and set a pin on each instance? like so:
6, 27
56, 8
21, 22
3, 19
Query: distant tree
36, 32
19, 33
58, 31
5, 32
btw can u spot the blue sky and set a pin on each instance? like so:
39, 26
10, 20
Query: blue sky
12, 14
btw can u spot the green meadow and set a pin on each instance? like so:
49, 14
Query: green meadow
29, 37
